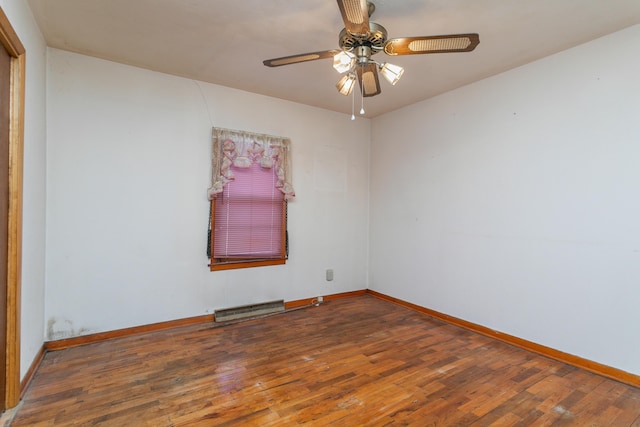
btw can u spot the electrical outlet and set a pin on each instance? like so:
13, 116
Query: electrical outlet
320, 299
329, 275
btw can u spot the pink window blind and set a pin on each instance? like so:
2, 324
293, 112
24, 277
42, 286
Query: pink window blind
249, 216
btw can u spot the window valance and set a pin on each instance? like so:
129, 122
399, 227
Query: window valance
242, 149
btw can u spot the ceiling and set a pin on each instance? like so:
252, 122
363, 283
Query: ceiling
225, 41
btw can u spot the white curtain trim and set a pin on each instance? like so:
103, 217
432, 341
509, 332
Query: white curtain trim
242, 149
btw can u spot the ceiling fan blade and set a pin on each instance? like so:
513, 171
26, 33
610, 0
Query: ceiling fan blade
355, 14
302, 57
368, 79
432, 44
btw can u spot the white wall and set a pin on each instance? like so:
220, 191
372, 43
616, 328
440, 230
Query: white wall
514, 203
128, 166
33, 220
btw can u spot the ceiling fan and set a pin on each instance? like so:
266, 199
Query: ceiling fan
361, 39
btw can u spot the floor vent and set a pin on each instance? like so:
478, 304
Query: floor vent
245, 311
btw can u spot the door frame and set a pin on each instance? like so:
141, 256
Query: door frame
10, 41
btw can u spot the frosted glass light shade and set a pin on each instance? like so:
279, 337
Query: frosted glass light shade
346, 84
391, 72
344, 61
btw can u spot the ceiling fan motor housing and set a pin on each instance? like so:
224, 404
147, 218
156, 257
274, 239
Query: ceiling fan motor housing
374, 40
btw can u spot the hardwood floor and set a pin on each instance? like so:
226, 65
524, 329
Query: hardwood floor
350, 362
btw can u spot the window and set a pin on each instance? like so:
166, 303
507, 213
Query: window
249, 220
249, 194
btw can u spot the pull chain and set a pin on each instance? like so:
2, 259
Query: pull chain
353, 103
362, 89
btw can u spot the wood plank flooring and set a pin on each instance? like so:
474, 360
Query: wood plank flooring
356, 361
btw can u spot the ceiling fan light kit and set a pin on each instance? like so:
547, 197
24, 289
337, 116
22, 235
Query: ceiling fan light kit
360, 39
344, 61
346, 84
391, 72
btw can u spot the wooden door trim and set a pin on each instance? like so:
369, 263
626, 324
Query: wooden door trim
9, 39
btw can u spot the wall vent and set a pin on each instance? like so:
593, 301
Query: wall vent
251, 310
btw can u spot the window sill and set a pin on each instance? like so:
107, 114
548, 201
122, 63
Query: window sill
230, 265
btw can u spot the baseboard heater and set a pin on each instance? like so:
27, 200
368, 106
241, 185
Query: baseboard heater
247, 311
